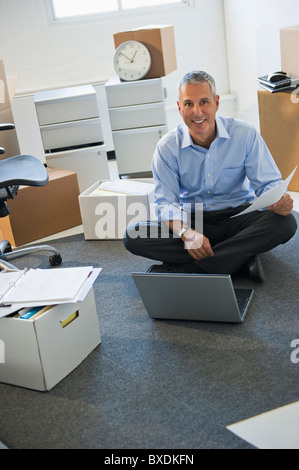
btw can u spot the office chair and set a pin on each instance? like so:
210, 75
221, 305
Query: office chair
15, 171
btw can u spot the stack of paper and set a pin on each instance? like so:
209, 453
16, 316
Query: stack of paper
126, 186
38, 287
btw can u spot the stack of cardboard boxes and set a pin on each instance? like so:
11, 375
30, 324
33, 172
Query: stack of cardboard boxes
279, 112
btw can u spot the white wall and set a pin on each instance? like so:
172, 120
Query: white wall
47, 56
253, 45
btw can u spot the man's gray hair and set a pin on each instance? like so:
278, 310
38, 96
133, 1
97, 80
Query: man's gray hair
198, 76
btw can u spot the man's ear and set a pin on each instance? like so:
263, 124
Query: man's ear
179, 106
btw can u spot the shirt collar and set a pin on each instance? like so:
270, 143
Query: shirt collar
221, 129
221, 133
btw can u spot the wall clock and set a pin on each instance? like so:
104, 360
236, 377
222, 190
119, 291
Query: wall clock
132, 61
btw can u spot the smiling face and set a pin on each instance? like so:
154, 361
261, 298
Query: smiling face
198, 108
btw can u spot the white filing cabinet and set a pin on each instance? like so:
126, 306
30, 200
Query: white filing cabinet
138, 121
71, 132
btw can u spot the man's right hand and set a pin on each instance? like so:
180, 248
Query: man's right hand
197, 244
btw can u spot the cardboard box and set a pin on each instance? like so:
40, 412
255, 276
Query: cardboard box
279, 126
105, 216
289, 49
160, 42
39, 353
8, 139
38, 212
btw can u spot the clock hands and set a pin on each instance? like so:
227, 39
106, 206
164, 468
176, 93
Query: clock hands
131, 60
125, 56
133, 56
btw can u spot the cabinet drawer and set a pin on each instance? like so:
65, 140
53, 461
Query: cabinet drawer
71, 134
134, 148
131, 93
66, 104
130, 117
89, 163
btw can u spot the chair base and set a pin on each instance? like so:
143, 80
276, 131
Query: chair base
7, 254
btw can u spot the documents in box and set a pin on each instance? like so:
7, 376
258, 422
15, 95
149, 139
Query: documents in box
41, 350
45, 286
108, 207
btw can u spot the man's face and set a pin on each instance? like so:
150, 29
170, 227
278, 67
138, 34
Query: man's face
198, 108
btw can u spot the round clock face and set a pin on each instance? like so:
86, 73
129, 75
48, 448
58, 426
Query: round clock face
132, 60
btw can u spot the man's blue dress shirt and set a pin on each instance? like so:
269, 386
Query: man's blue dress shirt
234, 170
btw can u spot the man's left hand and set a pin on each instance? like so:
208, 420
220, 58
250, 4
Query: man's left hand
284, 206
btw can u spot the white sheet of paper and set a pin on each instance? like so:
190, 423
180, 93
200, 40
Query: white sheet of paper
8, 280
127, 186
277, 429
39, 287
270, 197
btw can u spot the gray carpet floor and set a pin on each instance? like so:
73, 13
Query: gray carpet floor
162, 384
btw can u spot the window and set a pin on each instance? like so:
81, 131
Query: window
63, 9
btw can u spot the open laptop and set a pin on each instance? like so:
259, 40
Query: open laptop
202, 297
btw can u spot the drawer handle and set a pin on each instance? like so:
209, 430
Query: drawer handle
70, 319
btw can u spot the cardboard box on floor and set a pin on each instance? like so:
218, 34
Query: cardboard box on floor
160, 42
105, 216
8, 139
38, 212
279, 126
289, 49
39, 353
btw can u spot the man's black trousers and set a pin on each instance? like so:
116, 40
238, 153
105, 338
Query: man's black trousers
234, 240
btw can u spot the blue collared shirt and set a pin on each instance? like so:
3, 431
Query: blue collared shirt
235, 169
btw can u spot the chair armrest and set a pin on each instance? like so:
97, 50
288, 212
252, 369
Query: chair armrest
6, 126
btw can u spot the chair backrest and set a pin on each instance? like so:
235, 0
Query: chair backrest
22, 170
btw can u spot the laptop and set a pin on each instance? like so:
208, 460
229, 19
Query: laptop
201, 297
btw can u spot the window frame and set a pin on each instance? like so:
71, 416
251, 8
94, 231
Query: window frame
111, 15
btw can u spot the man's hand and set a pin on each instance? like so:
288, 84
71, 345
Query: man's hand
197, 244
284, 206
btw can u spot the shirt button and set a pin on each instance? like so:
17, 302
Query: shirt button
209, 174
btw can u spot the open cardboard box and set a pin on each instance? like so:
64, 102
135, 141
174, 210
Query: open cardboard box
39, 353
106, 215
8, 139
